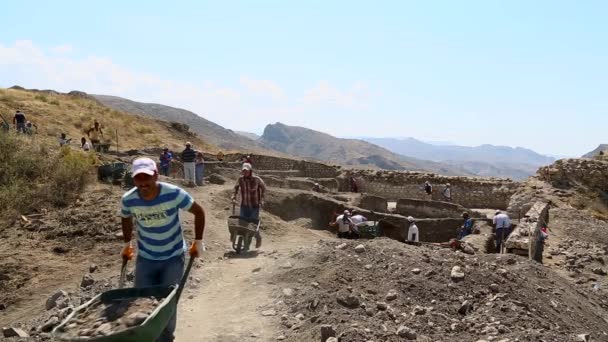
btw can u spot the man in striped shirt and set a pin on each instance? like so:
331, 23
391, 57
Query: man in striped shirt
154, 206
252, 197
188, 157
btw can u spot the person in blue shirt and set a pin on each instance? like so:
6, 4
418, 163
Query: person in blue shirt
153, 208
467, 226
165, 161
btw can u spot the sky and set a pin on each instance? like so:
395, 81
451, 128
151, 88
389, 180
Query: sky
514, 73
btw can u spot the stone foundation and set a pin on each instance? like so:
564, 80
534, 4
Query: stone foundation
523, 239
431, 209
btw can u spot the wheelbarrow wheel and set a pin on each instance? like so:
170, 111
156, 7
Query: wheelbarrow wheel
239, 244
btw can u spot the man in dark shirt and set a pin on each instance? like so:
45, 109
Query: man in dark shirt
19, 122
188, 156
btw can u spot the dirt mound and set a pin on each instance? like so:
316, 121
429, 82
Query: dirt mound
388, 291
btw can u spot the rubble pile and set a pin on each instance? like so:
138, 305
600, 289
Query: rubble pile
386, 291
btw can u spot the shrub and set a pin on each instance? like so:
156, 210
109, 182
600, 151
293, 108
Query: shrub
42, 98
33, 177
54, 103
143, 130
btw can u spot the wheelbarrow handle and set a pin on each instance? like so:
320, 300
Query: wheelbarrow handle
182, 282
123, 273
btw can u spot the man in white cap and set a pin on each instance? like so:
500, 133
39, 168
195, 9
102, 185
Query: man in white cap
502, 224
154, 206
188, 156
252, 190
447, 193
345, 225
412, 232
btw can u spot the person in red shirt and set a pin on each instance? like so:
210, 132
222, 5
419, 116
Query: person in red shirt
252, 189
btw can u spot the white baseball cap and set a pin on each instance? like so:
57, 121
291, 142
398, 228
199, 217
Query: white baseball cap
144, 165
246, 166
410, 219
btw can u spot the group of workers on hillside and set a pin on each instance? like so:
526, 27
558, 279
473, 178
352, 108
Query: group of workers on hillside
20, 124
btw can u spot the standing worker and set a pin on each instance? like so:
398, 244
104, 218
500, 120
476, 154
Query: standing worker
502, 225
447, 193
252, 190
165, 161
95, 134
19, 122
412, 232
199, 169
428, 189
160, 242
188, 157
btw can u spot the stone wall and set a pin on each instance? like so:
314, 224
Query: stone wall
430, 209
430, 230
470, 192
592, 173
524, 237
264, 164
374, 203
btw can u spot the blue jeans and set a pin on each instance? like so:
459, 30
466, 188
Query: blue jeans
199, 174
164, 170
500, 232
250, 213
160, 273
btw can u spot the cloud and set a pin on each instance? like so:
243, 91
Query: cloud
248, 106
263, 88
63, 49
324, 93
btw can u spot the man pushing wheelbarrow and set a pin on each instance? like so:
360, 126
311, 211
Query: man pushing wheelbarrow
252, 190
154, 206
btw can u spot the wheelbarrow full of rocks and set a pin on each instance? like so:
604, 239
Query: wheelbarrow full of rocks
124, 314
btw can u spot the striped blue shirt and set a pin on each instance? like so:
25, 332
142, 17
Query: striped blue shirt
159, 231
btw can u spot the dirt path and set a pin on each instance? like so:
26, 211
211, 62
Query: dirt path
227, 305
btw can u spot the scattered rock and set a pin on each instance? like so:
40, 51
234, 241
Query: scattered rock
288, 292
332, 339
347, 299
407, 333
14, 332
419, 310
583, 337
287, 266
465, 308
49, 324
391, 295
599, 271
360, 248
327, 332
341, 246
381, 306
87, 280
257, 269
214, 178
457, 274
93, 268
51, 302
416, 271
268, 313
494, 288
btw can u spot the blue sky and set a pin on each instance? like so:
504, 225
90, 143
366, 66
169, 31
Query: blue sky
516, 73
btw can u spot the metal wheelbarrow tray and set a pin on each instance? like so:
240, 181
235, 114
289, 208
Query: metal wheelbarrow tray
149, 330
241, 226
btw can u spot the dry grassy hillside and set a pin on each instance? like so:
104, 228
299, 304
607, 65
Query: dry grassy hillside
59, 113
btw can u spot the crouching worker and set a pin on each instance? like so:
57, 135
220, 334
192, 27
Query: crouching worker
154, 206
412, 232
252, 190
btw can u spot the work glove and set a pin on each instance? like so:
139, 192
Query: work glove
197, 248
233, 200
127, 251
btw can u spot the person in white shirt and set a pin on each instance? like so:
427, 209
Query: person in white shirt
357, 218
412, 232
345, 225
502, 224
86, 146
447, 193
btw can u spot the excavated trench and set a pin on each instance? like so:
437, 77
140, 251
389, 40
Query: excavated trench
320, 209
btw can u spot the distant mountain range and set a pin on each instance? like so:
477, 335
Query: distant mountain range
207, 130
601, 147
385, 153
484, 160
308, 143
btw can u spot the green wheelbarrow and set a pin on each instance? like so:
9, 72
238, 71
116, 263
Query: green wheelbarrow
150, 329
